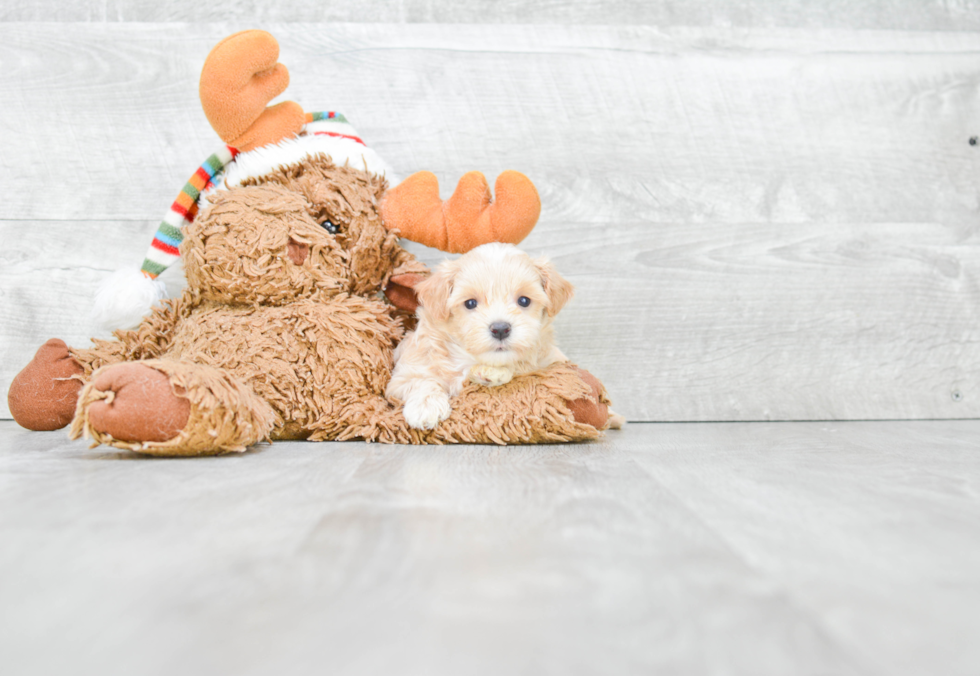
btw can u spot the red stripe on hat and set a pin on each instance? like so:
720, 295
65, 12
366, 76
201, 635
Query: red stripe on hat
336, 135
164, 247
182, 211
204, 179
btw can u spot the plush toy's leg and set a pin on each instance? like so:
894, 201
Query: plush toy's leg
42, 397
559, 404
162, 407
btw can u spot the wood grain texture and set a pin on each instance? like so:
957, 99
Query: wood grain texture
936, 15
762, 224
612, 123
750, 549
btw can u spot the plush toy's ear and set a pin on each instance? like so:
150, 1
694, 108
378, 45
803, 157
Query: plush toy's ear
467, 219
558, 289
433, 293
240, 76
401, 291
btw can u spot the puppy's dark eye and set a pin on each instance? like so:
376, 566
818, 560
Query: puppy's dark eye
523, 301
470, 304
330, 227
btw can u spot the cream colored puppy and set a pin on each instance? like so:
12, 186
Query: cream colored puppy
484, 317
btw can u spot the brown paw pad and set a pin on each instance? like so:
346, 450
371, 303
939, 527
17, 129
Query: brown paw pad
590, 410
140, 404
42, 397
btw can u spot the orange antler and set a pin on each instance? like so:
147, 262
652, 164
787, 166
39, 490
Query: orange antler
240, 76
467, 219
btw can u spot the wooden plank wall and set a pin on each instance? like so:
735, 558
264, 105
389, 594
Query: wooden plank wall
917, 15
769, 212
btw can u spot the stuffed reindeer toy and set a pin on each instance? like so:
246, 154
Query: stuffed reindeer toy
298, 291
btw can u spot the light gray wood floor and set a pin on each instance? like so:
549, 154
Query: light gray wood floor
765, 548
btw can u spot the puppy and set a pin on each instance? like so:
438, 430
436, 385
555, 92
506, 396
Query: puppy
484, 317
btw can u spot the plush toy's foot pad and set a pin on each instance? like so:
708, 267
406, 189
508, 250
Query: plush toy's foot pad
139, 404
42, 397
590, 409
171, 408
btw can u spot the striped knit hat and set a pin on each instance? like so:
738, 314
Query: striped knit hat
127, 295
163, 250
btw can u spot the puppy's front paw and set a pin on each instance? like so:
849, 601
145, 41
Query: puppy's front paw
490, 376
616, 421
425, 412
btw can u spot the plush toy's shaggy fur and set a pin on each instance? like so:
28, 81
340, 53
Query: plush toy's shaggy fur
282, 333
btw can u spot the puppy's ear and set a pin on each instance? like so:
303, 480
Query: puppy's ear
558, 289
433, 293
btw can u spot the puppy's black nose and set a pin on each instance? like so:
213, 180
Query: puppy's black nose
500, 330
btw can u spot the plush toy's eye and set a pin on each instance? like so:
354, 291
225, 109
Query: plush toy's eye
470, 304
330, 227
523, 301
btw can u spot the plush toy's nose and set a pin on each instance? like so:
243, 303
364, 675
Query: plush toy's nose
500, 330
297, 251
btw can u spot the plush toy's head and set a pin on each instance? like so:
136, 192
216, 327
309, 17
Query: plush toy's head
344, 201
308, 230
259, 245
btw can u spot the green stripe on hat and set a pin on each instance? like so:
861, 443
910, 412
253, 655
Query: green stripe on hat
153, 267
170, 231
192, 191
319, 117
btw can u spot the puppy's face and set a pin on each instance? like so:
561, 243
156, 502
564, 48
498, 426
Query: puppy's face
495, 301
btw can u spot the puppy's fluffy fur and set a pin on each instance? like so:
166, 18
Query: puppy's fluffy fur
485, 317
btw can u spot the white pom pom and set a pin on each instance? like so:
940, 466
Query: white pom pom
124, 297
